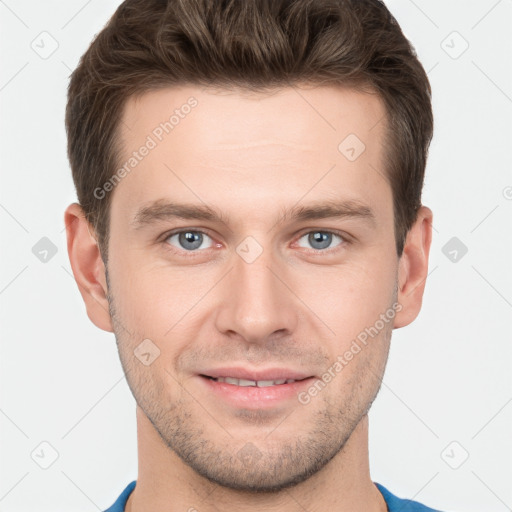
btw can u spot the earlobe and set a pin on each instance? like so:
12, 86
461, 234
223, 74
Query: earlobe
87, 265
413, 268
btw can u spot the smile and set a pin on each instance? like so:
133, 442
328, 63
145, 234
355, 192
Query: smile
247, 382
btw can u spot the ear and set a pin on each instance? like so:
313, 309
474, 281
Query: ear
88, 267
413, 268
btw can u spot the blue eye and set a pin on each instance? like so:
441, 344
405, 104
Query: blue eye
193, 241
320, 240
189, 240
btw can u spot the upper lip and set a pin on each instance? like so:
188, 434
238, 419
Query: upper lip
252, 374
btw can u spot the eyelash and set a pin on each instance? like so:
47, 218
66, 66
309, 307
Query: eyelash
345, 240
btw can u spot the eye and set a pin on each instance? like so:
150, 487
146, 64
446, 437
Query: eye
321, 240
188, 240
193, 241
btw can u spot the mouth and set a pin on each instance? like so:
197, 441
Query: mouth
242, 388
254, 383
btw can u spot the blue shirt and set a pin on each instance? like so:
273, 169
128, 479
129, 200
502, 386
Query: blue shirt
394, 504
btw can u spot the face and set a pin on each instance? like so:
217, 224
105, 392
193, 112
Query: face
291, 260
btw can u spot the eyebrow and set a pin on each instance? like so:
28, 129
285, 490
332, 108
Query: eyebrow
162, 210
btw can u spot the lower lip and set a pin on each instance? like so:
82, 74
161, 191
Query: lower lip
254, 397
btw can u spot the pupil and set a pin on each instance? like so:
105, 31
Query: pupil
192, 238
321, 238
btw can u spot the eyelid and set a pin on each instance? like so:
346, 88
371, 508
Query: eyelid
177, 231
346, 239
332, 231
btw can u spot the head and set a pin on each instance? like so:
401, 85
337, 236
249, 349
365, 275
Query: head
249, 180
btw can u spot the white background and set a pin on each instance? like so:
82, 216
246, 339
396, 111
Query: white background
449, 374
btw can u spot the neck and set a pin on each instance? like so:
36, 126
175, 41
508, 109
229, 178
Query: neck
166, 483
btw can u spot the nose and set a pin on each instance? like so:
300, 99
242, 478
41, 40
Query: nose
258, 301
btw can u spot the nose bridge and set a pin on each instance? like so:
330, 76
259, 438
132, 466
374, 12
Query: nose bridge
257, 302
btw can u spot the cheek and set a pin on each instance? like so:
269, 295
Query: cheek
349, 298
157, 301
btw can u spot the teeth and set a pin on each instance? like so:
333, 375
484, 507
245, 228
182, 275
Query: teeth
266, 383
258, 383
244, 382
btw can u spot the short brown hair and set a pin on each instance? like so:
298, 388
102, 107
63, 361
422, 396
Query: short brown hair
256, 45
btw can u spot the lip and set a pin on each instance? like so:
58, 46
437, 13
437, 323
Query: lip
239, 372
254, 397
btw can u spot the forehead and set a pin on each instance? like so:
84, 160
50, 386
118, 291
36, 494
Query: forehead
223, 119
257, 149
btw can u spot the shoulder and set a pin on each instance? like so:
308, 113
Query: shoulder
393, 502
120, 503
396, 504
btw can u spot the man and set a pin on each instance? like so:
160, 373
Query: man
250, 227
